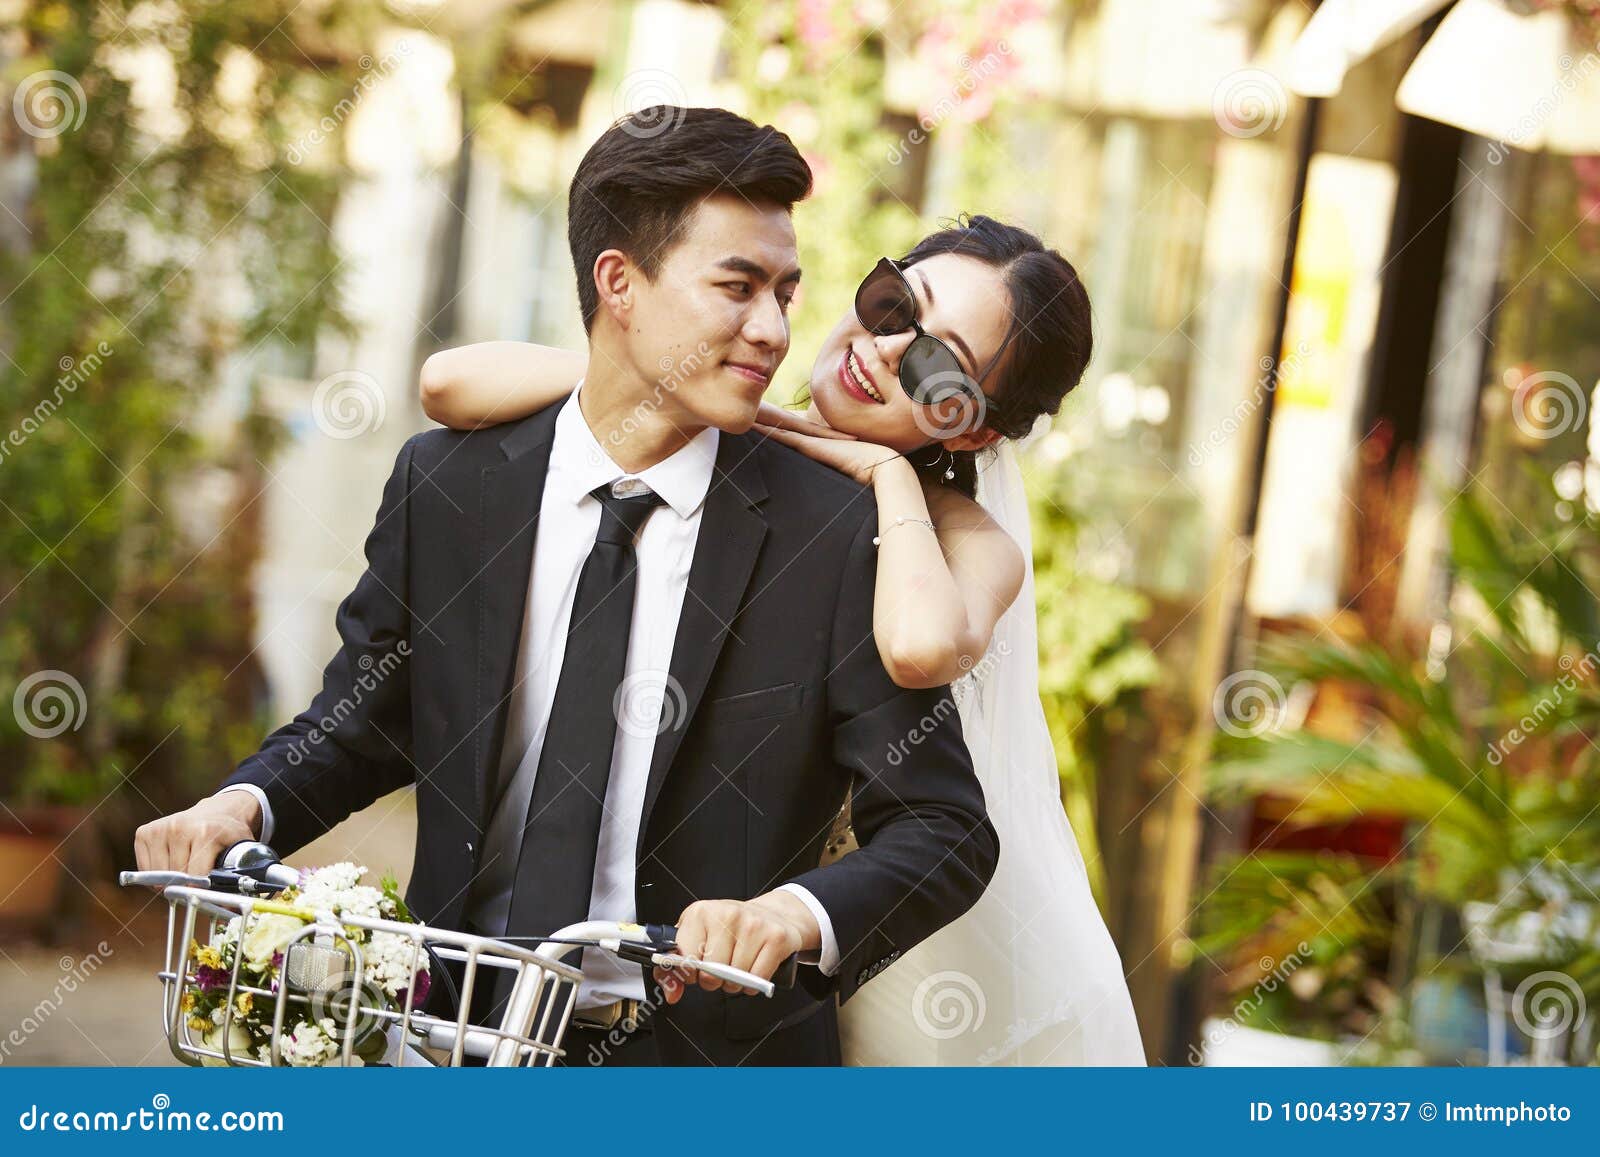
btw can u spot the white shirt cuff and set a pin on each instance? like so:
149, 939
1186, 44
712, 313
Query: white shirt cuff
265, 835
827, 960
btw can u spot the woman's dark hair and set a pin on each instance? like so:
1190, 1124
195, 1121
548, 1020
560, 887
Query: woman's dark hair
639, 183
1047, 346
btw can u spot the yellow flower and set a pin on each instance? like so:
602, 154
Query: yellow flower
187, 1003
244, 1000
207, 955
200, 1023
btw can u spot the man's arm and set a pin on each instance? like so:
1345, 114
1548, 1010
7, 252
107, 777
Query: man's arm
348, 748
927, 848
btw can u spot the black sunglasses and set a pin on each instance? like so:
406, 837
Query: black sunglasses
930, 372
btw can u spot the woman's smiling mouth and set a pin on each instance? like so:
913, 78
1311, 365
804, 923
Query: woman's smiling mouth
855, 379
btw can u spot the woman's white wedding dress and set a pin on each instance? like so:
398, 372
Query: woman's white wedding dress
1029, 975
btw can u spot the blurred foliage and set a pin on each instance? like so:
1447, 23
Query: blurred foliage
1092, 660
1313, 921
1486, 753
156, 247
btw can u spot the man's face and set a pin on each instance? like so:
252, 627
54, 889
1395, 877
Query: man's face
712, 327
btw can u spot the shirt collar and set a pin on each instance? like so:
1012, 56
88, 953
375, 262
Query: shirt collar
682, 479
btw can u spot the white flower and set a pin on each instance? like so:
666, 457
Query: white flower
238, 1041
311, 1044
337, 888
390, 961
333, 877
269, 933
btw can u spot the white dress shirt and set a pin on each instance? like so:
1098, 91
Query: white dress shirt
569, 520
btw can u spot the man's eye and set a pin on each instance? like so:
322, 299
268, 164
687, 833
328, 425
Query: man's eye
785, 301
742, 287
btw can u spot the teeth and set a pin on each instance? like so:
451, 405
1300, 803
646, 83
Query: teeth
861, 378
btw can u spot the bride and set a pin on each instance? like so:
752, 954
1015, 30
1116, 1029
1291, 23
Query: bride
898, 401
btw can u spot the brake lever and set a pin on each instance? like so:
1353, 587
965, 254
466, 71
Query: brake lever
664, 938
161, 879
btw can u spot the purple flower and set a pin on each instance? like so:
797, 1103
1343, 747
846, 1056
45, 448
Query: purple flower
422, 982
209, 978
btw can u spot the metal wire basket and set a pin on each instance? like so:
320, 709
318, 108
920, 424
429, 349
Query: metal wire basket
323, 978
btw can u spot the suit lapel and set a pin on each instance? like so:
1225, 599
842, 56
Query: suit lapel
731, 532
511, 493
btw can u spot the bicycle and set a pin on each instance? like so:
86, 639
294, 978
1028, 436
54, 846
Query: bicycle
323, 972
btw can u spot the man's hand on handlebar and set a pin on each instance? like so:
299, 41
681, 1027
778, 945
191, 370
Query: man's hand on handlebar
755, 935
190, 841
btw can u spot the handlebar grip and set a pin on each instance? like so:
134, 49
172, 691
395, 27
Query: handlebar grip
665, 936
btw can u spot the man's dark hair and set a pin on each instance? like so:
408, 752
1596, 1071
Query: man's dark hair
644, 177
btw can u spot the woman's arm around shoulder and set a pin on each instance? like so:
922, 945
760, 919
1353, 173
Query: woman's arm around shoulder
486, 383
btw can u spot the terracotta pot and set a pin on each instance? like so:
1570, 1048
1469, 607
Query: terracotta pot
31, 877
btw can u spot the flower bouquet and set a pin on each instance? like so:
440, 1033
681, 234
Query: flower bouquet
288, 950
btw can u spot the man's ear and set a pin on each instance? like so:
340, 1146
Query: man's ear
973, 439
613, 281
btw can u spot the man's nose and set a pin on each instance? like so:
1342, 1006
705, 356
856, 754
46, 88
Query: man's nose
766, 324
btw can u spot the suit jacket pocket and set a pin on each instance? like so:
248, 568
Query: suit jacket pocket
783, 699
748, 1017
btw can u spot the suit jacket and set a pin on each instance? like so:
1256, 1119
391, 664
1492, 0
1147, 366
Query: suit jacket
787, 708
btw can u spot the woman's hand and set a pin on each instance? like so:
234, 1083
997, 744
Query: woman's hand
779, 418
846, 454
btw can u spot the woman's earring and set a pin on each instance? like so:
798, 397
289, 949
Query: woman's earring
950, 470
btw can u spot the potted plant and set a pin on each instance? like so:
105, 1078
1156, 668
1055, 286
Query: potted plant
1485, 754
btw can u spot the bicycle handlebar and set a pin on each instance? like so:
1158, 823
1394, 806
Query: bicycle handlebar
247, 868
251, 868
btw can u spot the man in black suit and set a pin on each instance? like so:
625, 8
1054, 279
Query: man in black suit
623, 648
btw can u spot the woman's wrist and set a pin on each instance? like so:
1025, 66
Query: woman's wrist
894, 472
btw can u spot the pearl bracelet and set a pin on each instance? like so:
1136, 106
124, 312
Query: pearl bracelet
898, 521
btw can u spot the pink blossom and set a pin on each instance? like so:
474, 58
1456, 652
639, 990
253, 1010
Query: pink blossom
814, 24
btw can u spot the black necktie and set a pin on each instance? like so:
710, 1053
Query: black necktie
555, 873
